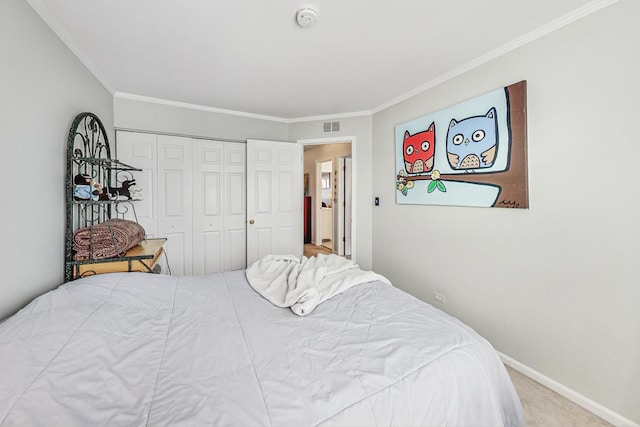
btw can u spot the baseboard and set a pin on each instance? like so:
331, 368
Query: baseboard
588, 404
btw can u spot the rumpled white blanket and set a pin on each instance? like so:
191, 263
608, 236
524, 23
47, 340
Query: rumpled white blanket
303, 283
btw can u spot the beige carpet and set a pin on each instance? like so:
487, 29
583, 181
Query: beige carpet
546, 408
542, 407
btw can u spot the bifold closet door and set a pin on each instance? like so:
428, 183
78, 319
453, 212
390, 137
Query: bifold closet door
175, 201
194, 195
219, 213
235, 212
208, 223
139, 150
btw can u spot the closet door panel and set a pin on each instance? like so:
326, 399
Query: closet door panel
175, 200
236, 249
235, 214
139, 149
264, 241
208, 206
178, 258
212, 251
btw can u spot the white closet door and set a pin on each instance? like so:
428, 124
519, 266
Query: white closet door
235, 215
139, 150
175, 201
208, 214
194, 195
274, 199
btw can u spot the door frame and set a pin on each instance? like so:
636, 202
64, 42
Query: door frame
338, 140
317, 196
344, 201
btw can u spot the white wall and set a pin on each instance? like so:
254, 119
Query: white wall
555, 287
43, 86
360, 127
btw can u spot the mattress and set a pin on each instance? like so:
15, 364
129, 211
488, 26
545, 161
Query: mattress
137, 349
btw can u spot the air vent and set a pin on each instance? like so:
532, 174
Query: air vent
330, 127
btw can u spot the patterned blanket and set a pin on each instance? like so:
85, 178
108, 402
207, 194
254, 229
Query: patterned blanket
109, 239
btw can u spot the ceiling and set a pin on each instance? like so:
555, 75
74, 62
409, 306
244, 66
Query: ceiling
251, 56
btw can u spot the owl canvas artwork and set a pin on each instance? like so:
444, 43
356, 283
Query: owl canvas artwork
470, 154
472, 142
418, 150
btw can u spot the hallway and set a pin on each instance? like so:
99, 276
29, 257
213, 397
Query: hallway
313, 250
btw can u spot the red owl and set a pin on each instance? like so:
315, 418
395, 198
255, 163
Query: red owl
418, 150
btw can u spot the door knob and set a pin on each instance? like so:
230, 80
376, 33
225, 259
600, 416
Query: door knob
251, 221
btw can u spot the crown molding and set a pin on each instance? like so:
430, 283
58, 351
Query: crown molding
330, 117
536, 34
152, 100
160, 101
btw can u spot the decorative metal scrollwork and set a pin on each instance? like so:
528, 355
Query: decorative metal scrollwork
87, 138
97, 186
91, 214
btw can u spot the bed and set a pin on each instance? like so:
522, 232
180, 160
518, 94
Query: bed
137, 349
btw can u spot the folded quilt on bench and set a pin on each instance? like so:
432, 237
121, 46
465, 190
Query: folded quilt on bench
108, 239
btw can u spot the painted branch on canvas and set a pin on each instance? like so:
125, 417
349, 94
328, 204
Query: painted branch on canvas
470, 154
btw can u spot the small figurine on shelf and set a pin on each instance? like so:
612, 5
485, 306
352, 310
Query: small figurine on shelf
135, 192
86, 188
82, 188
127, 191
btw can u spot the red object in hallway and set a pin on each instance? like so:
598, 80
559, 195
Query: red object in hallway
307, 219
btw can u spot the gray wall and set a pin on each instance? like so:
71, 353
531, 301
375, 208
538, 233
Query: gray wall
555, 287
42, 88
360, 127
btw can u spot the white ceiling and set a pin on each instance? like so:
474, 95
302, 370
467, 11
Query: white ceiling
251, 56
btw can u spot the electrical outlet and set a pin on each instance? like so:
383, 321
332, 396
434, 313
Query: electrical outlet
439, 297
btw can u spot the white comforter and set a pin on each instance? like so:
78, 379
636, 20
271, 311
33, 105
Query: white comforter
135, 349
303, 283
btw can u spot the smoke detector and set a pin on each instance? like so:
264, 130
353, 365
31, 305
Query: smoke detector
307, 17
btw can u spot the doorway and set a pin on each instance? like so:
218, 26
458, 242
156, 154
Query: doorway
325, 217
331, 197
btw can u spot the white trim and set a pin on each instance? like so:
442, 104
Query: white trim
329, 140
152, 100
330, 117
69, 41
588, 404
335, 140
317, 199
540, 32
